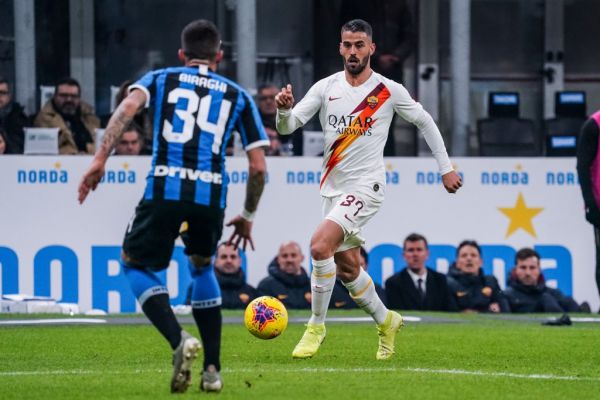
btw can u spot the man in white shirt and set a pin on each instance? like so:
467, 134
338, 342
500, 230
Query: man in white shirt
355, 109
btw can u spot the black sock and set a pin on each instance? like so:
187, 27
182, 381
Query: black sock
209, 323
158, 310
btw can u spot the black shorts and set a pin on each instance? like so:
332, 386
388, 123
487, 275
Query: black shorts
154, 227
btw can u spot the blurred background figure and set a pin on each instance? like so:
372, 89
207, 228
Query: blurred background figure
472, 290
75, 119
143, 119
288, 280
281, 145
527, 291
130, 142
235, 291
588, 169
418, 287
12, 120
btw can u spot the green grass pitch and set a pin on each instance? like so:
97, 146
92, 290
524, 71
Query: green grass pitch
468, 357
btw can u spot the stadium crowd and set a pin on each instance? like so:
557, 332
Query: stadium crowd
79, 125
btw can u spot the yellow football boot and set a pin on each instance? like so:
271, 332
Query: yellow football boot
310, 342
387, 333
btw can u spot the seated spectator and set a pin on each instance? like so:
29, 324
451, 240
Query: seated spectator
418, 287
472, 290
142, 119
131, 141
288, 280
2, 142
285, 145
527, 290
274, 148
75, 119
341, 299
12, 120
236, 293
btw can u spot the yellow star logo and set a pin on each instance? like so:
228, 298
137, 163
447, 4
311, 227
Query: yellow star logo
520, 216
57, 165
125, 166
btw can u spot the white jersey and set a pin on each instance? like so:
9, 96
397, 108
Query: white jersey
356, 122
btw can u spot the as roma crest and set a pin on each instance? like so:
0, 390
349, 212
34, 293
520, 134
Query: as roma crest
372, 101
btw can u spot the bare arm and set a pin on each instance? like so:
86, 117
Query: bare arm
257, 169
118, 122
122, 116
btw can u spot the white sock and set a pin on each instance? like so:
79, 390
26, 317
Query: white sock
322, 280
362, 290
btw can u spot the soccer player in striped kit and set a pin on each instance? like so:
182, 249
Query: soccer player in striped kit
196, 111
355, 109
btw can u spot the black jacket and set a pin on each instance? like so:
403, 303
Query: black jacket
236, 293
587, 153
292, 290
13, 124
475, 292
538, 298
340, 298
402, 294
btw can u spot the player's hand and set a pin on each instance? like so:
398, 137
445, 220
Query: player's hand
242, 229
90, 179
452, 181
494, 307
285, 98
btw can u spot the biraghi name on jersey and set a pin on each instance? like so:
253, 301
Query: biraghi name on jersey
350, 125
204, 82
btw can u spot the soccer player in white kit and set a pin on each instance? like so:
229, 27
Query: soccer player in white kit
355, 108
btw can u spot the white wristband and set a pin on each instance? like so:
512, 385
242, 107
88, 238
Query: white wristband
247, 215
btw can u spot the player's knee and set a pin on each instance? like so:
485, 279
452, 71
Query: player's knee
320, 251
199, 262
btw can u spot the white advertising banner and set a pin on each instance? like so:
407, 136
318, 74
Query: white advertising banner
52, 246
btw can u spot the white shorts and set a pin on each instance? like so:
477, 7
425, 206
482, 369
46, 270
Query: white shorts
351, 211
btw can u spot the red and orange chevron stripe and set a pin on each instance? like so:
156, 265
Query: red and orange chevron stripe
367, 108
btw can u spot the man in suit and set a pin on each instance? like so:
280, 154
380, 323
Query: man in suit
417, 287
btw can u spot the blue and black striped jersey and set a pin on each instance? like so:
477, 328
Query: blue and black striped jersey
195, 113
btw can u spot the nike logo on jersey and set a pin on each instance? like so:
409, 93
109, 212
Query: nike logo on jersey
334, 98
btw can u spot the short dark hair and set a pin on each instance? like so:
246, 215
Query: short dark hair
266, 85
415, 237
132, 126
200, 39
358, 25
525, 253
68, 81
471, 243
223, 244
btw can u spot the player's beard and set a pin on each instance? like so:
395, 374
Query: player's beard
357, 68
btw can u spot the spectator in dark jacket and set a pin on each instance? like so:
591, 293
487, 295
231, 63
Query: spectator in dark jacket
12, 120
417, 287
340, 298
527, 290
287, 280
472, 290
235, 292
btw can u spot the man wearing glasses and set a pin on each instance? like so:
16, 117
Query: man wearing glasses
75, 119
